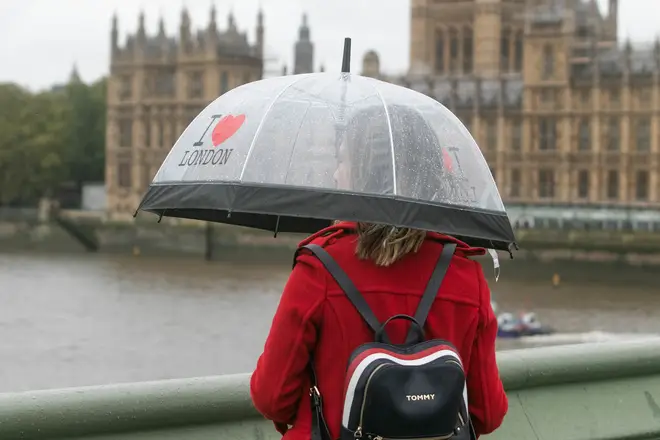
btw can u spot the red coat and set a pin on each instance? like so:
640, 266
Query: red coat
315, 317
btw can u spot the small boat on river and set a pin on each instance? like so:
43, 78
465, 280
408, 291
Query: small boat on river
526, 324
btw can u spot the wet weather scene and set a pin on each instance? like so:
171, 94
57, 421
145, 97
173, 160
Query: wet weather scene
268, 219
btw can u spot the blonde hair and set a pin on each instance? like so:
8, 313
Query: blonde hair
385, 245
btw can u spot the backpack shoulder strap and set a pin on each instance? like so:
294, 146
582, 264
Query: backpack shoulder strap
432, 288
346, 285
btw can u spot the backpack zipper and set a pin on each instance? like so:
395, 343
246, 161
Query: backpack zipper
444, 437
358, 431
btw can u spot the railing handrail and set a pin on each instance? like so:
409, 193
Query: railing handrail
214, 400
547, 366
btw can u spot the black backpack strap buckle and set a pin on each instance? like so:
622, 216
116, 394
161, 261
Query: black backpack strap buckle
320, 429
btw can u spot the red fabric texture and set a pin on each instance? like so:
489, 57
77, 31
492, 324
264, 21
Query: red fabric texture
315, 318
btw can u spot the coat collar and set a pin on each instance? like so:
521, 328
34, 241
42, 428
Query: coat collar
345, 228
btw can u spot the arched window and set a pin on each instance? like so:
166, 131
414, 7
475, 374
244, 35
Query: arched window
518, 64
583, 184
612, 184
453, 50
161, 134
548, 62
146, 125
440, 51
505, 45
643, 135
584, 135
547, 134
467, 49
514, 187
546, 183
516, 135
613, 135
642, 185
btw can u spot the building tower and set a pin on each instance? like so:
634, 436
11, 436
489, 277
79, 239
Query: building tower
114, 36
487, 29
371, 64
304, 53
421, 37
612, 18
158, 83
260, 34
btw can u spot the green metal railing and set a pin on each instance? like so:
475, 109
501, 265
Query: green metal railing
592, 391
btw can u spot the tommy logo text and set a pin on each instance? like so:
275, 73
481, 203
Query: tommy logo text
415, 397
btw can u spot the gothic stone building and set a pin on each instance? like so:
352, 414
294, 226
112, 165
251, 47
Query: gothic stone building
157, 85
564, 113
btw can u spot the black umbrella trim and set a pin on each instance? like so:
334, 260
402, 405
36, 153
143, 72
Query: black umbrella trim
283, 208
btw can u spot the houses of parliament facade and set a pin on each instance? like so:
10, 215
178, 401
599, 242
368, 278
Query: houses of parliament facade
565, 114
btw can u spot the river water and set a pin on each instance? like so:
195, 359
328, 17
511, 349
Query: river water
76, 320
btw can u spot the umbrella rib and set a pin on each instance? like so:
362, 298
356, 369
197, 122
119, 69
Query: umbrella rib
389, 128
263, 120
295, 141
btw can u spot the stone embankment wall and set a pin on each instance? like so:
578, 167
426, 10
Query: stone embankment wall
32, 229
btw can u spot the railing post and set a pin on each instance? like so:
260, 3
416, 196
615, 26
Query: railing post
208, 247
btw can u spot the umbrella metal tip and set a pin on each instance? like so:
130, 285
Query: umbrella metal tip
346, 59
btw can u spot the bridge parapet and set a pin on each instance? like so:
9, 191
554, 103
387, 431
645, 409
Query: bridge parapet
19, 215
591, 391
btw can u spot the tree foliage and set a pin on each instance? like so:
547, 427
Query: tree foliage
50, 138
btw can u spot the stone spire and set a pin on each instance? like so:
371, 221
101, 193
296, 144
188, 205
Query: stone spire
627, 53
304, 51
141, 37
184, 28
114, 35
161, 27
231, 22
260, 33
74, 77
213, 19
613, 17
304, 33
142, 33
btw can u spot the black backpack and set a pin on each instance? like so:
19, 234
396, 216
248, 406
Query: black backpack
412, 391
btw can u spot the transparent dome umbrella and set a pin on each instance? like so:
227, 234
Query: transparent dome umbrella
292, 153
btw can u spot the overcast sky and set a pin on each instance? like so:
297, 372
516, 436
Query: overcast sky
40, 40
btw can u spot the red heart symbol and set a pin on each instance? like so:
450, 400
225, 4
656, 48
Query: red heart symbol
226, 128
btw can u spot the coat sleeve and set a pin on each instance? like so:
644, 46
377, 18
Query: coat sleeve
487, 401
281, 376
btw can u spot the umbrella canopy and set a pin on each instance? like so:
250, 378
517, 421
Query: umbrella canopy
292, 153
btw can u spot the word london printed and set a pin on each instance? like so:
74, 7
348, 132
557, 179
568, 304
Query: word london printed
205, 157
